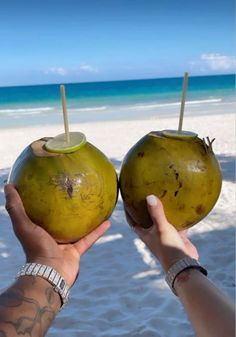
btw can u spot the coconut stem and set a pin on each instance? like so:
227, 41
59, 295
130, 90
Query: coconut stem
65, 115
184, 90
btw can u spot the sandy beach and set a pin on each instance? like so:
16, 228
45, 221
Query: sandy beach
121, 290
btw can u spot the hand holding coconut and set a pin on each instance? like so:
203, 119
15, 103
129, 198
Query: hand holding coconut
40, 247
178, 167
183, 172
36, 299
67, 190
197, 293
67, 185
164, 241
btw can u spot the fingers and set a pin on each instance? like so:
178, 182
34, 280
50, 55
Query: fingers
183, 235
85, 243
156, 211
15, 208
157, 214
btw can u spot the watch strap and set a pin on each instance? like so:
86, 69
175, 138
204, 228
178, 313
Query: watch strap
49, 274
180, 266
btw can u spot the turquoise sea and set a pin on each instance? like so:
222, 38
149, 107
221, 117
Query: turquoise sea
117, 100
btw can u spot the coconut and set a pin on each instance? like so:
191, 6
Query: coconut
180, 168
68, 190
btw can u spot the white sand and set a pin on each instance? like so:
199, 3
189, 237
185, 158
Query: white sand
121, 289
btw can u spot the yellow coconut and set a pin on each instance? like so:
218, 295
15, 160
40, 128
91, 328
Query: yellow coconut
68, 191
181, 169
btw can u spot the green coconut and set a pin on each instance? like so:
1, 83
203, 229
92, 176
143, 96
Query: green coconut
180, 168
67, 189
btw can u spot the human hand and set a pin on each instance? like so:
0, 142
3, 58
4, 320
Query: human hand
40, 247
164, 241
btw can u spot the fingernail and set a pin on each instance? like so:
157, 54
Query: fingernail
151, 200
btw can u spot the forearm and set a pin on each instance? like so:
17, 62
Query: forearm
28, 307
210, 312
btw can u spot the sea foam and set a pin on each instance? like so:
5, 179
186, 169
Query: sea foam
159, 105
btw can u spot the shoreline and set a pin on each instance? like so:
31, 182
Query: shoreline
136, 113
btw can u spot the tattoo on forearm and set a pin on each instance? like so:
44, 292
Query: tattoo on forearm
24, 314
50, 295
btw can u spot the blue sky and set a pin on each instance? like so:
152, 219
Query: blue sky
54, 41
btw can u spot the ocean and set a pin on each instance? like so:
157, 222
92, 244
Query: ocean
116, 100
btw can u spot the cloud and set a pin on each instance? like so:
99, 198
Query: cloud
88, 68
219, 62
83, 68
57, 71
214, 62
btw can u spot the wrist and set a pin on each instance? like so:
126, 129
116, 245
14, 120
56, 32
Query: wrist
51, 262
184, 278
179, 267
50, 275
58, 265
168, 261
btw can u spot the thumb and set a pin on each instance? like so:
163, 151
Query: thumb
14, 206
156, 211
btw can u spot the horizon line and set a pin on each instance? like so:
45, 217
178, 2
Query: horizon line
108, 81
